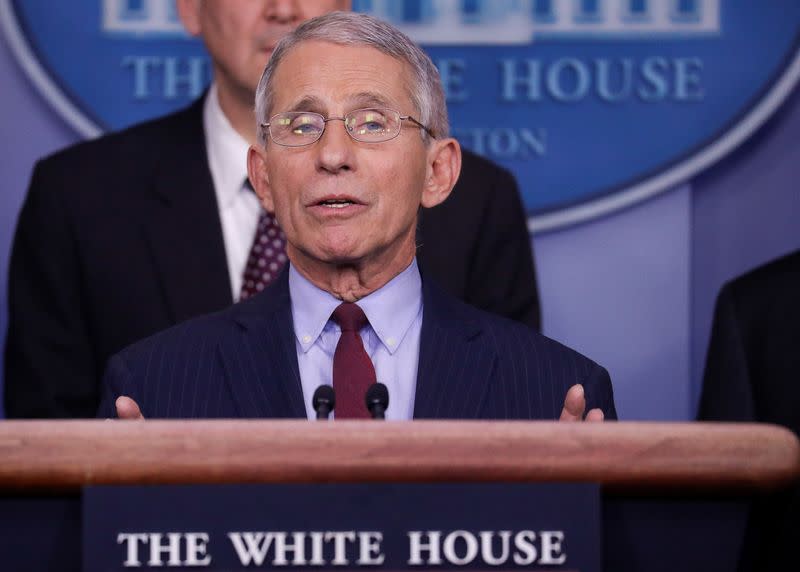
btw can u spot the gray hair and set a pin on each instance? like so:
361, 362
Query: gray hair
350, 29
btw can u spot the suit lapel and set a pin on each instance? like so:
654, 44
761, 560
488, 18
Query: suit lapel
260, 360
183, 231
455, 362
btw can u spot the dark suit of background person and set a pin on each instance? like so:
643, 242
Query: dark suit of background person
753, 365
753, 374
120, 238
242, 362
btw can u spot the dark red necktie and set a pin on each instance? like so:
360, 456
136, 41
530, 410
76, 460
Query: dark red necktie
267, 255
353, 371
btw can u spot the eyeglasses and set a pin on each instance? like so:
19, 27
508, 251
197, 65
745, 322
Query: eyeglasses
372, 125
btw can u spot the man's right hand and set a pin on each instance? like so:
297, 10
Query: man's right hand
128, 409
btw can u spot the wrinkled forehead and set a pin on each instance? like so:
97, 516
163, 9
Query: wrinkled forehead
332, 78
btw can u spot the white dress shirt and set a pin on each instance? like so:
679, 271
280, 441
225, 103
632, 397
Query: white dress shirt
238, 206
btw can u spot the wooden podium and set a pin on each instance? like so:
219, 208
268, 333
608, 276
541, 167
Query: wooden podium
674, 495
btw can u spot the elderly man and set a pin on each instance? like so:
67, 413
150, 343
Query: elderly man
352, 142
129, 234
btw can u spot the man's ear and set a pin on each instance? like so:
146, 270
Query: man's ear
444, 166
189, 12
257, 173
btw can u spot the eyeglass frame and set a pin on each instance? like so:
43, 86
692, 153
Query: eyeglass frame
343, 118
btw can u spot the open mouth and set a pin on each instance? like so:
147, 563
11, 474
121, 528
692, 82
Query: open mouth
336, 203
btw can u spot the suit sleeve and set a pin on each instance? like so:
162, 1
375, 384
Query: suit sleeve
727, 393
599, 393
502, 277
49, 364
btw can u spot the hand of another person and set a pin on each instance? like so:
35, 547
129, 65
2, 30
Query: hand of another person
574, 406
128, 409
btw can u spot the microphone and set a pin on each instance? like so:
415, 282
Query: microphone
324, 401
377, 399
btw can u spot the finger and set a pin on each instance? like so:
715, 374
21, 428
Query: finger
128, 409
574, 404
595, 415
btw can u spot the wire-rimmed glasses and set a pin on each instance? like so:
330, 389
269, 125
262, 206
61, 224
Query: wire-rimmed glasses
369, 125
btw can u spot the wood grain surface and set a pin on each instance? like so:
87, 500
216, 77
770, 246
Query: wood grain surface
59, 455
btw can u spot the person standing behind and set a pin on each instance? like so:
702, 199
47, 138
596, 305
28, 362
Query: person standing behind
752, 375
139, 230
753, 359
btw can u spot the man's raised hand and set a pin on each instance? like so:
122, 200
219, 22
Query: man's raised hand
575, 405
128, 409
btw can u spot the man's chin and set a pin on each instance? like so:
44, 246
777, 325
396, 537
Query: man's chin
335, 255
344, 259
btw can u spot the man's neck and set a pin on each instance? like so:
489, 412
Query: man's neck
238, 108
351, 282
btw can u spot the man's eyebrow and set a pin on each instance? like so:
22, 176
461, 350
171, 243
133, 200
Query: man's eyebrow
308, 103
371, 99
357, 101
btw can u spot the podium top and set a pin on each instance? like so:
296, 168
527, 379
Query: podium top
702, 457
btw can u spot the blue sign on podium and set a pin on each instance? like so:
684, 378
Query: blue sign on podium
343, 526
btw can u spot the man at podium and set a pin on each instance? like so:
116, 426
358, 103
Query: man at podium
352, 143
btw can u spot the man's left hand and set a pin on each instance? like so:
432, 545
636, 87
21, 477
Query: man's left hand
575, 405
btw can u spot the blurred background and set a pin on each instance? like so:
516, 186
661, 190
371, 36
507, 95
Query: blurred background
656, 144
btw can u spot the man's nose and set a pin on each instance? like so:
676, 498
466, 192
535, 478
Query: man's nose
335, 147
282, 11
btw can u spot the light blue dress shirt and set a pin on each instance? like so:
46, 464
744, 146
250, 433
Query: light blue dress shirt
391, 339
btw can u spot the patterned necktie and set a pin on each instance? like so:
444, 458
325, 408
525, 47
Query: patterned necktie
267, 255
353, 371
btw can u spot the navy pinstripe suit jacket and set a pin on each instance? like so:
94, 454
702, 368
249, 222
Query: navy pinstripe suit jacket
242, 363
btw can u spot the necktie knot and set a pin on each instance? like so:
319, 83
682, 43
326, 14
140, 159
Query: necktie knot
350, 317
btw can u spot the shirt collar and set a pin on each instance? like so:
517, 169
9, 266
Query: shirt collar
227, 151
390, 310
